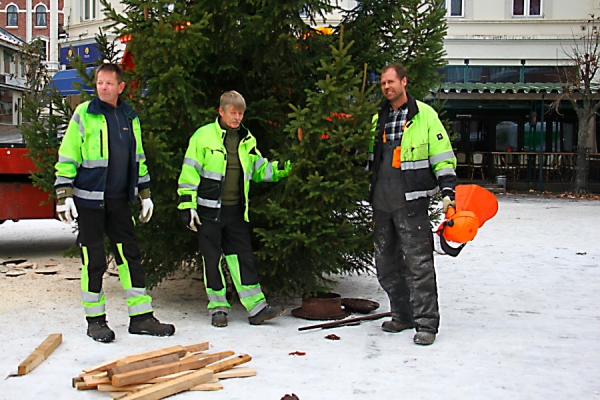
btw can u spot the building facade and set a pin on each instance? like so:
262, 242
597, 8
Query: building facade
31, 19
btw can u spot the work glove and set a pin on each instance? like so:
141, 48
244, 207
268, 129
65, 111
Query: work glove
447, 202
190, 219
66, 210
147, 209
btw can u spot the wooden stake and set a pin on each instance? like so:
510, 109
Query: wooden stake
205, 387
178, 385
179, 350
152, 362
230, 363
145, 374
40, 354
241, 372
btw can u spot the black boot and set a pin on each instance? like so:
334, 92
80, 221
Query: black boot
266, 313
100, 332
146, 324
396, 326
219, 319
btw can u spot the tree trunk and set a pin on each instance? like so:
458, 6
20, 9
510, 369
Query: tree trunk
579, 184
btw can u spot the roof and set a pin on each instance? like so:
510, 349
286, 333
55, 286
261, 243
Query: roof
9, 38
535, 87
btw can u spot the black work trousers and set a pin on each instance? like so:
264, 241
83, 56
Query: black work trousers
116, 221
404, 261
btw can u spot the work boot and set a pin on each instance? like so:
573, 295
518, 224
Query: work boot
424, 338
265, 314
149, 326
100, 332
219, 319
396, 326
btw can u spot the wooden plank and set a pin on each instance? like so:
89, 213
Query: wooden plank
193, 348
222, 355
100, 367
207, 387
95, 381
84, 386
130, 388
241, 372
230, 363
169, 377
144, 375
118, 395
77, 379
178, 385
179, 350
40, 354
151, 362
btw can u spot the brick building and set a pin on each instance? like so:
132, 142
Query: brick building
31, 19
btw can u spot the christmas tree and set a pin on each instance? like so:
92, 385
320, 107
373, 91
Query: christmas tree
317, 222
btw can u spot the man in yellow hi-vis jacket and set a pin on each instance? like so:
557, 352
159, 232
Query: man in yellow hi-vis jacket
411, 161
221, 160
101, 169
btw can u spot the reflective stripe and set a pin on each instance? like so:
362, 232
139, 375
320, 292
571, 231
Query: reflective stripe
445, 171
140, 308
84, 194
135, 191
192, 163
61, 180
248, 177
421, 164
268, 172
95, 163
420, 194
441, 157
250, 292
216, 299
258, 308
211, 175
144, 178
63, 159
140, 156
208, 203
95, 310
187, 186
77, 118
258, 163
89, 297
129, 293
371, 157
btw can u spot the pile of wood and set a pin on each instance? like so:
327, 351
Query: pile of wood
17, 267
161, 373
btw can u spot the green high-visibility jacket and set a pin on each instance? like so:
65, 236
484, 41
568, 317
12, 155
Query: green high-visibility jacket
427, 159
83, 156
204, 166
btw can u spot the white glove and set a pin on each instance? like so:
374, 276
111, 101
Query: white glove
447, 203
67, 212
147, 209
194, 220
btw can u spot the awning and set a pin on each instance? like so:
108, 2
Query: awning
64, 81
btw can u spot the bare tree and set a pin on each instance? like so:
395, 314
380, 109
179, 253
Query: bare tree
580, 88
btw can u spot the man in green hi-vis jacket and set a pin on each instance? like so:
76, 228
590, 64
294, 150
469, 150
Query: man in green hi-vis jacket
221, 160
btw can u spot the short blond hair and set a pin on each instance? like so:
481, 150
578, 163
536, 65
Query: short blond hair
232, 98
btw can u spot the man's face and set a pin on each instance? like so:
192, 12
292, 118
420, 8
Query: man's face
108, 87
393, 88
231, 116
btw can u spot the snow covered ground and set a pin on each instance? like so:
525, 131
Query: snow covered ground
520, 320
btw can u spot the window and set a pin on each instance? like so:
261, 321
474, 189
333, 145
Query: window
8, 61
455, 8
12, 16
527, 8
6, 106
88, 10
40, 16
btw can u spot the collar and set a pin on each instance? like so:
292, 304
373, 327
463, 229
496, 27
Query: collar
96, 106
